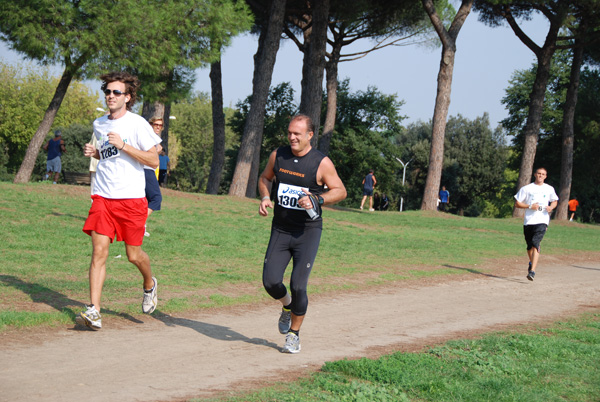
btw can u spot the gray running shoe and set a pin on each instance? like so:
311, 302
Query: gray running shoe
531, 275
90, 318
150, 299
285, 321
292, 343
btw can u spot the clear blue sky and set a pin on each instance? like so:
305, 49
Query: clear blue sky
485, 60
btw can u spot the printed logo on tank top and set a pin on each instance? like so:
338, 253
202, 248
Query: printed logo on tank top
291, 172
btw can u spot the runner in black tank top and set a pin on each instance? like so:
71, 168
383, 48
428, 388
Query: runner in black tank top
301, 173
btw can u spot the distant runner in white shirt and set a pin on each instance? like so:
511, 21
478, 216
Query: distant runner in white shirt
539, 199
126, 142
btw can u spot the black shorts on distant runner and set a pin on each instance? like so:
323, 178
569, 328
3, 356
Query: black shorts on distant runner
534, 235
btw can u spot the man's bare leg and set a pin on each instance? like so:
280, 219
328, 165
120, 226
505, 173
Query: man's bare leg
534, 256
140, 259
97, 273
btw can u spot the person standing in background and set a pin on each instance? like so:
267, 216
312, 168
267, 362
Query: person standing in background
368, 183
573, 204
444, 199
55, 148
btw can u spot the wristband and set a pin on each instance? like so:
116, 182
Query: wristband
120, 149
266, 197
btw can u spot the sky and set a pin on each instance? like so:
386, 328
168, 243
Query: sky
485, 60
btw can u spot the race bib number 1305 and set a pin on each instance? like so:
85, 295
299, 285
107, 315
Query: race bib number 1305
288, 195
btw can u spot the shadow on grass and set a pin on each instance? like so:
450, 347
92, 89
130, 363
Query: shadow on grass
81, 218
218, 332
54, 299
474, 271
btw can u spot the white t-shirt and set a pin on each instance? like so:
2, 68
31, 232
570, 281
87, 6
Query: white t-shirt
542, 195
118, 175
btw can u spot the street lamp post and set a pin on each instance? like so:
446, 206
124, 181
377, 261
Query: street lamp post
404, 165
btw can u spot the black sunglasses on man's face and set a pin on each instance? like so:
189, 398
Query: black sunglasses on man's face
116, 92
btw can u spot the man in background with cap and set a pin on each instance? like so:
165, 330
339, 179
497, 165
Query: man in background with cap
55, 148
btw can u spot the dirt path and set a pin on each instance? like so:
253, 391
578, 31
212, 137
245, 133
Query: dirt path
171, 358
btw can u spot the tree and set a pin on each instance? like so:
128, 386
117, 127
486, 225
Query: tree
218, 157
246, 169
557, 12
586, 122
25, 92
442, 100
384, 23
585, 32
243, 22
192, 143
362, 140
475, 160
474, 164
79, 35
279, 108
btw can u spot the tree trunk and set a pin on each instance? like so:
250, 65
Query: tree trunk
158, 109
264, 61
152, 109
26, 168
218, 156
566, 165
331, 69
534, 121
440, 114
442, 100
313, 66
166, 123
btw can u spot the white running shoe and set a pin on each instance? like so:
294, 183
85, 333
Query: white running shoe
285, 321
292, 343
150, 298
90, 318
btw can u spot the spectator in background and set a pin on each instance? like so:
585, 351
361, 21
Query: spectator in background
384, 203
153, 194
163, 167
376, 201
444, 199
368, 183
573, 204
55, 148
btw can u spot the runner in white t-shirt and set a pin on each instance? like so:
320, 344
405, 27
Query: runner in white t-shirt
126, 143
539, 199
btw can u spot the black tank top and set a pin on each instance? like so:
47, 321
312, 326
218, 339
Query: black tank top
292, 174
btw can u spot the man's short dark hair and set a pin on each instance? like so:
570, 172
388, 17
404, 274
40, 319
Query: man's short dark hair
131, 82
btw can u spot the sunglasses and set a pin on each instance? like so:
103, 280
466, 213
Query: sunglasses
116, 92
157, 125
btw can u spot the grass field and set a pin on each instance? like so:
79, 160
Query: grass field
555, 363
207, 251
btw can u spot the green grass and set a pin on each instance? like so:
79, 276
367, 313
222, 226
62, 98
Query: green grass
207, 251
559, 363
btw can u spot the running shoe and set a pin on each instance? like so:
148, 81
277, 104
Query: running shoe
285, 321
531, 275
150, 298
90, 318
292, 343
